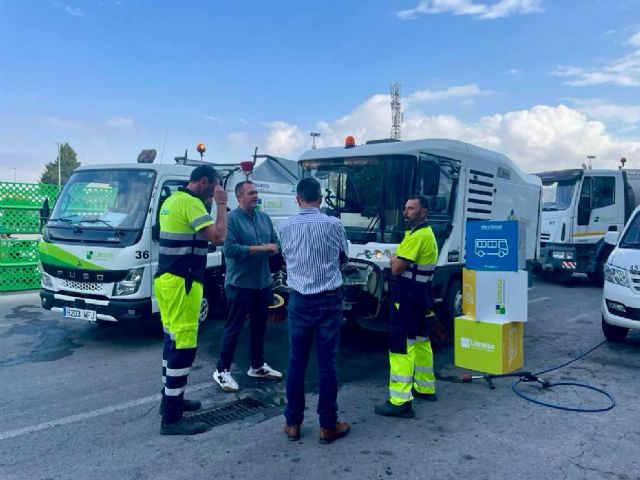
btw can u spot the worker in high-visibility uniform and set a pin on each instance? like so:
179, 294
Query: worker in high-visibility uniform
410, 353
185, 230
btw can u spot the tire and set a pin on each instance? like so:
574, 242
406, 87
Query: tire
614, 333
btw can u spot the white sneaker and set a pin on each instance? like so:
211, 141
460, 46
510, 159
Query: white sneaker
265, 371
226, 381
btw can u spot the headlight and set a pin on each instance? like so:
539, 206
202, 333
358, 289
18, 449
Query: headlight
45, 280
130, 284
615, 275
558, 255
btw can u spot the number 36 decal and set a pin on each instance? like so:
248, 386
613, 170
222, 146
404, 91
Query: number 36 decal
142, 253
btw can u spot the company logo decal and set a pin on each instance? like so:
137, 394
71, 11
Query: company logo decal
472, 344
500, 298
98, 255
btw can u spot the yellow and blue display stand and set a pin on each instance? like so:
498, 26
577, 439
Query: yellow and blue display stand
489, 336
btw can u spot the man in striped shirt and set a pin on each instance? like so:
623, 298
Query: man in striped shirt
313, 246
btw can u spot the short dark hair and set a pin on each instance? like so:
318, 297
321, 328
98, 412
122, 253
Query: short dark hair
204, 171
424, 201
240, 186
309, 190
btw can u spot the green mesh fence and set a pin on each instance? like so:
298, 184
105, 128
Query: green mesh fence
27, 195
20, 205
19, 277
19, 221
17, 251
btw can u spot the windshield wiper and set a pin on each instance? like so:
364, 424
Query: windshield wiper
96, 220
61, 219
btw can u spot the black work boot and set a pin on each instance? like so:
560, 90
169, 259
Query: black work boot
184, 426
187, 405
388, 409
430, 397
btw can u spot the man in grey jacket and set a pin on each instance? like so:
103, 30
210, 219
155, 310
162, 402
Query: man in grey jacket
250, 241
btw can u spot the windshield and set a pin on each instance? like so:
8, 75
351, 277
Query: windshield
631, 237
366, 193
557, 195
104, 200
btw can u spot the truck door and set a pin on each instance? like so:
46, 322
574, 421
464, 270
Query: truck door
167, 188
600, 208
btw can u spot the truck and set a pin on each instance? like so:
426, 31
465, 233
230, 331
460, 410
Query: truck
579, 206
366, 186
99, 247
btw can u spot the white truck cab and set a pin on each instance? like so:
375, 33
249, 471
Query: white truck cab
621, 292
366, 186
99, 248
579, 207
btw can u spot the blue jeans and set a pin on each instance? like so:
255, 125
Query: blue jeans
309, 315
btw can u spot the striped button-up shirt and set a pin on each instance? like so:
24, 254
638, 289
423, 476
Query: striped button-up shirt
311, 244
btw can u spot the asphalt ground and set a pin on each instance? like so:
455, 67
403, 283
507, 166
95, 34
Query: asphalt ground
80, 401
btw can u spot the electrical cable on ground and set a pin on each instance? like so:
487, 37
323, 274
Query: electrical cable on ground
528, 377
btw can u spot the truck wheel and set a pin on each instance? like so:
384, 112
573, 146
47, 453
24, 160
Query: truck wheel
597, 277
452, 305
614, 333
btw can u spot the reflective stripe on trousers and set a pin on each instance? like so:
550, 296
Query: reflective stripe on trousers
176, 365
415, 368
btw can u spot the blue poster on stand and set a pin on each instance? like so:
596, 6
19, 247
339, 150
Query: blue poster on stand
492, 246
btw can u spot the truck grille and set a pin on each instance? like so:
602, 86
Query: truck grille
545, 236
82, 286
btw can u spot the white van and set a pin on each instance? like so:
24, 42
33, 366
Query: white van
621, 293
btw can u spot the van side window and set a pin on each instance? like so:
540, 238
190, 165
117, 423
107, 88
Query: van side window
603, 191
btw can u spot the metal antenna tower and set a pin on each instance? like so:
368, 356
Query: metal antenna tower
396, 112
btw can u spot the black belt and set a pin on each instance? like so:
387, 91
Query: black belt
335, 291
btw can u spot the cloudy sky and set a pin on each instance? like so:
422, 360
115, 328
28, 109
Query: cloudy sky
547, 82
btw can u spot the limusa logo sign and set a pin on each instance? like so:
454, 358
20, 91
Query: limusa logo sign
98, 255
470, 343
500, 301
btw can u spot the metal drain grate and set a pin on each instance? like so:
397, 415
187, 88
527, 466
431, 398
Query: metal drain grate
230, 412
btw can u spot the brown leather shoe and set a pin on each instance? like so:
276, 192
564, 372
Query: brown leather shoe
292, 431
328, 436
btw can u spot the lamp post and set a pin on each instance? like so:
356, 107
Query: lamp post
314, 135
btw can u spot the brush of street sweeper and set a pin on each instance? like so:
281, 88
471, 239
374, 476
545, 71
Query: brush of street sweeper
529, 377
524, 377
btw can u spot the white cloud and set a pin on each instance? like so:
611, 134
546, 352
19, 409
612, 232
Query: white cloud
513, 71
60, 122
624, 71
283, 138
214, 119
486, 10
76, 12
73, 11
634, 40
465, 91
540, 137
597, 108
119, 122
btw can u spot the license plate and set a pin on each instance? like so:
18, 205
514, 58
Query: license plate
79, 313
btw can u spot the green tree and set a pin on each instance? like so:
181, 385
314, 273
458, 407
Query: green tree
68, 163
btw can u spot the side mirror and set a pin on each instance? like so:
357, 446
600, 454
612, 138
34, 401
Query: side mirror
430, 178
611, 238
45, 212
